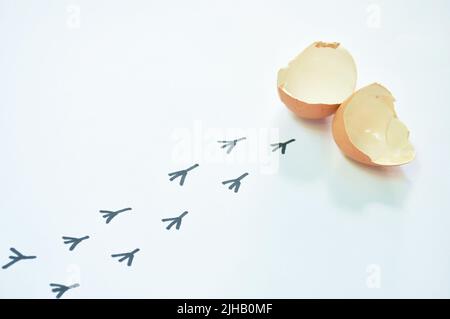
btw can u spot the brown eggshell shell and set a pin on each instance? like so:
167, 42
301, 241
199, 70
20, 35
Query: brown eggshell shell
343, 141
306, 110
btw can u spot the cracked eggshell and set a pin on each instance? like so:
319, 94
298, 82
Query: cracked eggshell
318, 80
366, 129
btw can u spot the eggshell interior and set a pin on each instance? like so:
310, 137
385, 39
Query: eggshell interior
324, 73
374, 129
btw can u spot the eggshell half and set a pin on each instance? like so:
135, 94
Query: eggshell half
318, 80
367, 129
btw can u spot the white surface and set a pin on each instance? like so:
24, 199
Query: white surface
95, 118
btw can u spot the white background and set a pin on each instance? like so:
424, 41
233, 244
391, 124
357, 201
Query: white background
97, 108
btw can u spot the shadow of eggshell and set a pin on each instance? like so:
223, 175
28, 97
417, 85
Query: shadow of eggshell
354, 186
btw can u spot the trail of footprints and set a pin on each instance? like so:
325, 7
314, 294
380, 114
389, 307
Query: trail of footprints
73, 242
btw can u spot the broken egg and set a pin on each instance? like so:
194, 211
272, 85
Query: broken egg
367, 129
318, 80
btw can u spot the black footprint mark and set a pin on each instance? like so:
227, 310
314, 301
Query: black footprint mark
109, 215
282, 146
18, 257
126, 256
174, 221
62, 289
230, 144
235, 183
73, 241
181, 173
